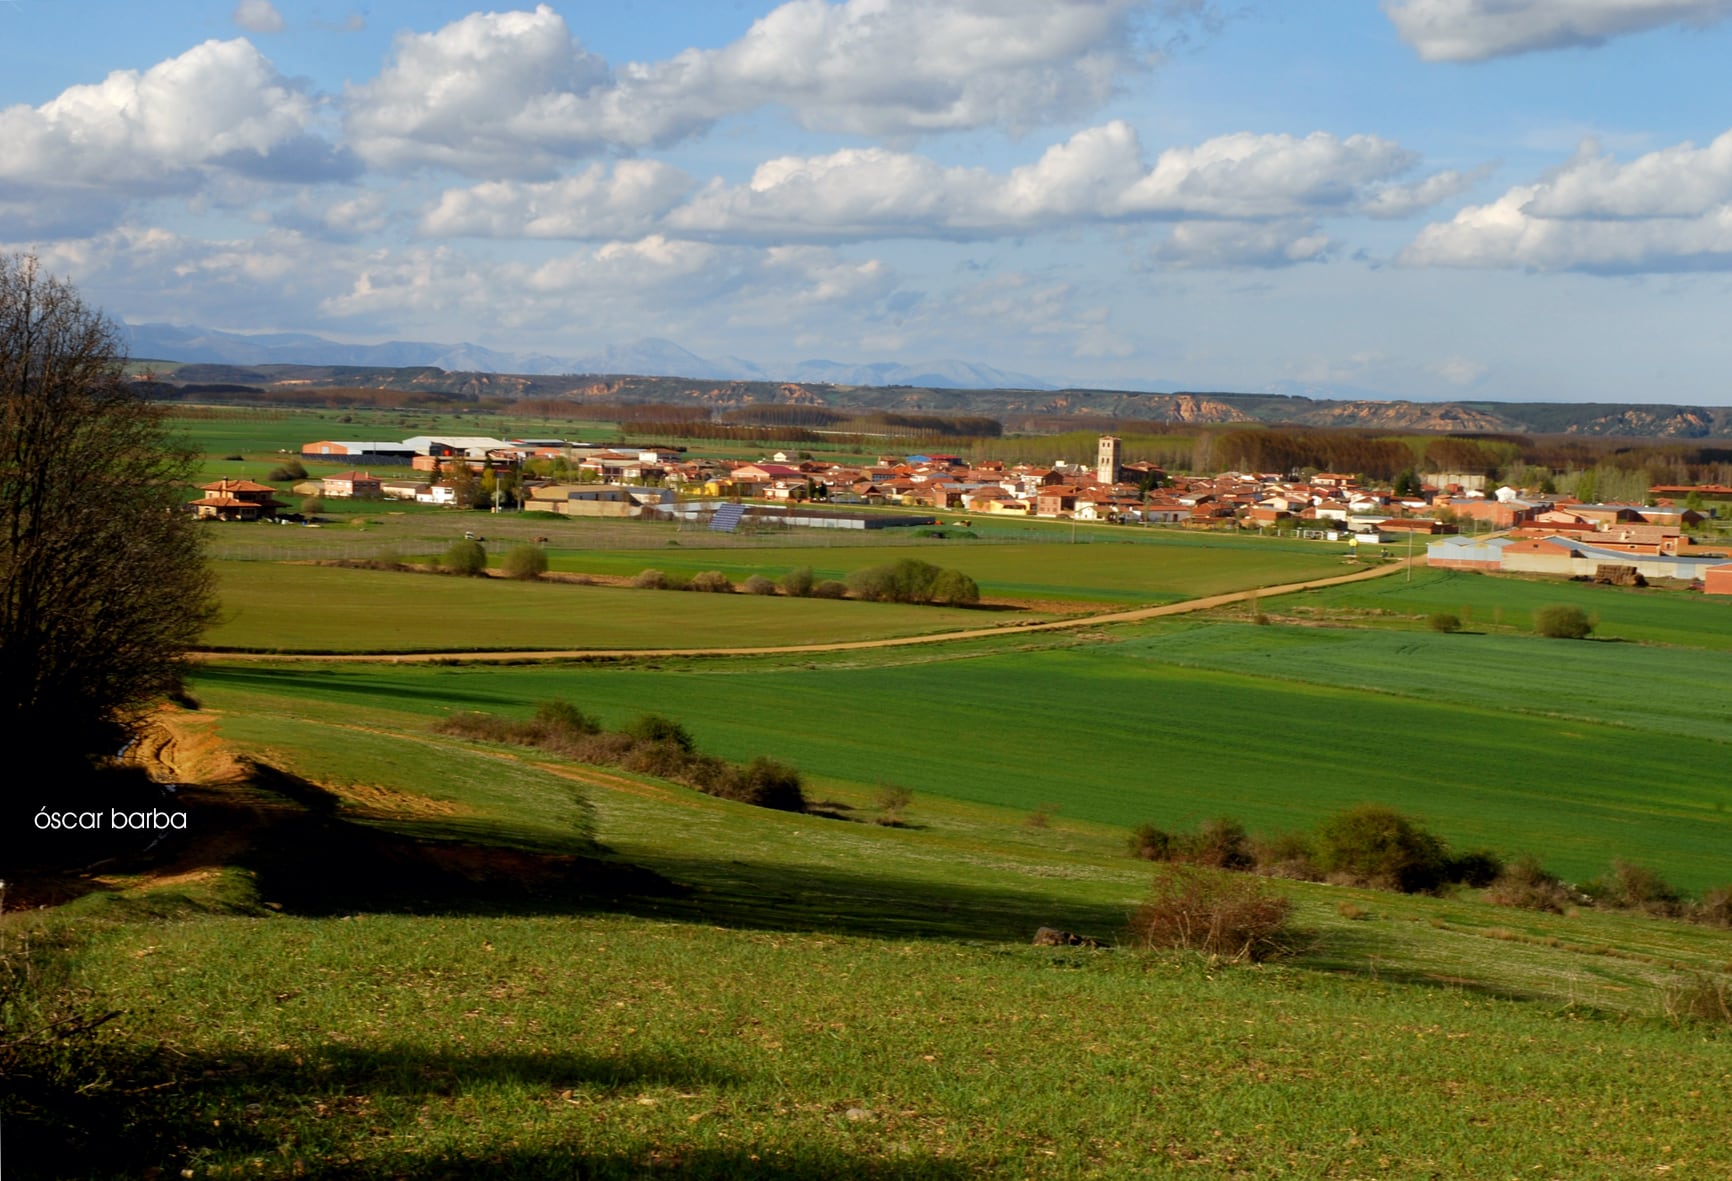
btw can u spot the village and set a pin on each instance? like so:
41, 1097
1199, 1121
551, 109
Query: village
1464, 524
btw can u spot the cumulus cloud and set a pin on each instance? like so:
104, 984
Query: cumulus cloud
1226, 244
220, 107
1668, 210
1098, 175
618, 287
495, 92
514, 93
1474, 30
258, 16
620, 201
1394, 201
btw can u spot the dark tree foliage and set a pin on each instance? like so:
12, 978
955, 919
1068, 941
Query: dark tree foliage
103, 585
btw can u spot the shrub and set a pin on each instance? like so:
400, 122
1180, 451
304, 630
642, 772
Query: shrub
712, 582
525, 562
1287, 855
1151, 844
292, 470
830, 589
1230, 916
1444, 622
893, 800
1525, 884
465, 557
953, 588
907, 581
1561, 622
562, 719
650, 580
657, 729
798, 582
1700, 998
1715, 908
1635, 887
1478, 868
1378, 846
757, 584
1221, 843
312, 506
765, 783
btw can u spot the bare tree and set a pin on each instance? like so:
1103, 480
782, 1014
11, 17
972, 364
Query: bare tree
103, 585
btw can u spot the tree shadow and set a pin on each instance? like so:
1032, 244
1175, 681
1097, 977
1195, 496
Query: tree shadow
318, 1111
308, 856
1359, 953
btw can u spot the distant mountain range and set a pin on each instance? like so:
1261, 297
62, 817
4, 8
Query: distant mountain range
659, 371
650, 356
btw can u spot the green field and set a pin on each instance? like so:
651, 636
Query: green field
795, 996
1177, 726
1158, 568
288, 608
1505, 602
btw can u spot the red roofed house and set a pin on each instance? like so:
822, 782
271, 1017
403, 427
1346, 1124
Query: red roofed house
235, 500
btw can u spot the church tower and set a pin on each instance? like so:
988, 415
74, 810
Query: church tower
1107, 460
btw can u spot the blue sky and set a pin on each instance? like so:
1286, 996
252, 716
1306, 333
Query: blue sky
1485, 199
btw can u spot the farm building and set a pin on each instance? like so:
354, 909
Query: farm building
353, 486
1566, 557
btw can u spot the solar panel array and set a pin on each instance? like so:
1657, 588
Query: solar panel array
727, 518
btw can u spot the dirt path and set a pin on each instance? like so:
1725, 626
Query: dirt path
1133, 615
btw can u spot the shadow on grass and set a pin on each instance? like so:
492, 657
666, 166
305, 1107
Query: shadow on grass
786, 897
1361, 953
307, 856
325, 683
330, 1111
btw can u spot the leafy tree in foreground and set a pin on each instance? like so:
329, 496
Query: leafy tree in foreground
103, 585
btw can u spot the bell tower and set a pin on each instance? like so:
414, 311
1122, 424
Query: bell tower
1107, 460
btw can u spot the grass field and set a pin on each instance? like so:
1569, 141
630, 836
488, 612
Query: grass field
286, 608
1175, 726
1157, 568
1505, 603
809, 997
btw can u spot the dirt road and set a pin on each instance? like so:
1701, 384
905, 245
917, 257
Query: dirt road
1131, 615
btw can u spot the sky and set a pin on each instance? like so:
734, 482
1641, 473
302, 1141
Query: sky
1516, 200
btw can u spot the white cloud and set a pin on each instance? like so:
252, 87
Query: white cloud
1665, 211
1097, 175
213, 122
630, 288
1474, 30
258, 16
221, 103
514, 93
1461, 371
600, 202
492, 93
1397, 201
1225, 244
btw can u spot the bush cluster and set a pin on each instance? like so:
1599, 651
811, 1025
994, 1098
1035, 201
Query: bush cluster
1235, 918
707, 581
465, 557
1365, 846
525, 562
1561, 622
1377, 847
913, 581
649, 745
